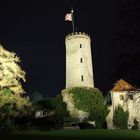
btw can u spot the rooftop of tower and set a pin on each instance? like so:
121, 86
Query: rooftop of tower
77, 33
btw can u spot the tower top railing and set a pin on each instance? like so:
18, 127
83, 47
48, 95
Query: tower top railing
77, 33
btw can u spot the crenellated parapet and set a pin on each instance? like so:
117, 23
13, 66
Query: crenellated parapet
77, 34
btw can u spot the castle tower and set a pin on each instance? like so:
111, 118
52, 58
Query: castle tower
79, 71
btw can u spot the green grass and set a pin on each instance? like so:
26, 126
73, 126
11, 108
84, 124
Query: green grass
74, 135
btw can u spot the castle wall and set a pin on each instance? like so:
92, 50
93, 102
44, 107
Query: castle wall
128, 104
117, 98
79, 71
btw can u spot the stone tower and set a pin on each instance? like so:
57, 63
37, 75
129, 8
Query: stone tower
79, 71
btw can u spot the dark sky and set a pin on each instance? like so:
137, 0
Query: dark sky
36, 30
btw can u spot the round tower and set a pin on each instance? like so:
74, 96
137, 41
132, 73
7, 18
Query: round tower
79, 71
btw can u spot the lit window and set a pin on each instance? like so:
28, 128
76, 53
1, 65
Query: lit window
82, 78
80, 45
81, 60
121, 97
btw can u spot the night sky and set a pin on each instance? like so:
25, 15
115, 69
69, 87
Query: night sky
36, 30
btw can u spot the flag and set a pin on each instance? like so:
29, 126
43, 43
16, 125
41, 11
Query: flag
68, 17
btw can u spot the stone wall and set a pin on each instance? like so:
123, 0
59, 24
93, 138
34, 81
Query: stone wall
132, 105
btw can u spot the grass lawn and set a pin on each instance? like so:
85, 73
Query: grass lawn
73, 135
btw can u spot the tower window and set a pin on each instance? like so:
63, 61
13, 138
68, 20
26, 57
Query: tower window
82, 78
81, 60
131, 97
80, 45
121, 97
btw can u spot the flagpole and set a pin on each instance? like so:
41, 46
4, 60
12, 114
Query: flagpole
72, 12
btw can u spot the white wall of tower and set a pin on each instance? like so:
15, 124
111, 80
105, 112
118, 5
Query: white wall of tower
79, 70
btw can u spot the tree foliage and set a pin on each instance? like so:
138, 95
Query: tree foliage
61, 108
57, 106
47, 104
60, 112
120, 118
10, 71
35, 97
92, 101
12, 107
12, 104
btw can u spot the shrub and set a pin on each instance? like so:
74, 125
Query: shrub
120, 118
136, 124
92, 101
60, 112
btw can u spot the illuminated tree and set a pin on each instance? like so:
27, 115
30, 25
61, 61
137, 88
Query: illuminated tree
12, 104
10, 71
12, 107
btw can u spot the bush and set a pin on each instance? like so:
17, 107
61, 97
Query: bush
91, 100
136, 124
48, 104
60, 112
120, 118
11, 107
86, 125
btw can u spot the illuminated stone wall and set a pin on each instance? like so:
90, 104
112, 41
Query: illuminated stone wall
132, 105
79, 71
73, 111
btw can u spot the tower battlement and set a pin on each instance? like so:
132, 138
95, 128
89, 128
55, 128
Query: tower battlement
76, 33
